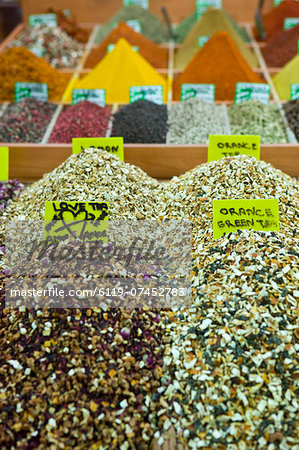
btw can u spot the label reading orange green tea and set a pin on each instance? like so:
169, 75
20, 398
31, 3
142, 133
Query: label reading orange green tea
143, 3
243, 214
4, 163
222, 146
295, 91
205, 92
97, 96
135, 25
152, 93
290, 22
111, 47
43, 19
113, 145
252, 91
202, 40
203, 5
87, 221
33, 90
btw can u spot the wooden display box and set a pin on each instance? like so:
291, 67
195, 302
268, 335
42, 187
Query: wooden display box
29, 162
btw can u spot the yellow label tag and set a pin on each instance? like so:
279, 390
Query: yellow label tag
114, 145
87, 221
4, 163
232, 215
221, 146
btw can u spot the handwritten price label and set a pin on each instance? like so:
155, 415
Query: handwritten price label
114, 145
86, 221
222, 146
4, 163
232, 215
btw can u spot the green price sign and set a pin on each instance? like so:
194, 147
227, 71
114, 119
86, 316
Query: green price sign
205, 92
252, 91
34, 90
43, 19
151, 93
97, 96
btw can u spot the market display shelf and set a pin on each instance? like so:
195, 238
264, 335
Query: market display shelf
29, 162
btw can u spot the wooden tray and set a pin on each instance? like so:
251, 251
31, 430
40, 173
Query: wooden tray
28, 162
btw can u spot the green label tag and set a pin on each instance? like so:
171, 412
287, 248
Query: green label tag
151, 93
111, 47
86, 221
221, 146
4, 163
295, 91
37, 50
290, 22
205, 92
202, 40
232, 215
203, 5
97, 96
252, 91
135, 25
43, 19
35, 90
143, 3
114, 145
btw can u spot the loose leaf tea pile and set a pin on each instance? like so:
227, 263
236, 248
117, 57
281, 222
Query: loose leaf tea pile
26, 121
9, 190
254, 117
141, 122
210, 23
192, 121
85, 119
93, 175
151, 25
20, 65
219, 62
59, 49
154, 54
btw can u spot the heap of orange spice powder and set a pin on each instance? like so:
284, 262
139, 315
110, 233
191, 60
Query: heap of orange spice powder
21, 65
219, 62
155, 55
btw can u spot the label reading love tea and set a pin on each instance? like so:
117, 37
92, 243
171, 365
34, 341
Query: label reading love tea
232, 215
143, 3
205, 92
295, 91
4, 163
97, 96
135, 25
111, 47
203, 5
114, 145
43, 19
34, 90
151, 93
290, 22
202, 40
87, 221
252, 91
221, 146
